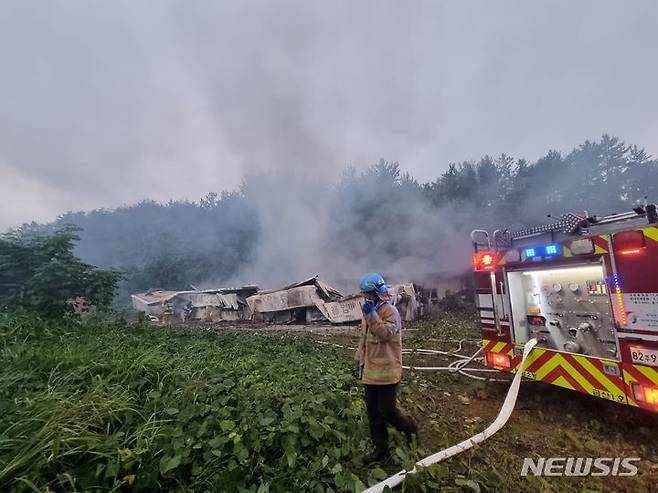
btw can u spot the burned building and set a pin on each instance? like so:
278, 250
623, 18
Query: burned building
311, 300
208, 305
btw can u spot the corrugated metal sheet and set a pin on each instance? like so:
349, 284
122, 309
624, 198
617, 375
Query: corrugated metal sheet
196, 304
308, 300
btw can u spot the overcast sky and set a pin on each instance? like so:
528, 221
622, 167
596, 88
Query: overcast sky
104, 103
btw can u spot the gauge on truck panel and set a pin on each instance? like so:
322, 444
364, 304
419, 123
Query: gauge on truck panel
567, 291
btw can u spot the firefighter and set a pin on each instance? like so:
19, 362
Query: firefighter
379, 362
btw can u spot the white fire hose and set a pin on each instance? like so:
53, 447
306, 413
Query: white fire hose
457, 366
502, 418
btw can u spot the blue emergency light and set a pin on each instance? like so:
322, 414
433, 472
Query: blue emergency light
552, 250
542, 251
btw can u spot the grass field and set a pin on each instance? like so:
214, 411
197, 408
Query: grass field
100, 405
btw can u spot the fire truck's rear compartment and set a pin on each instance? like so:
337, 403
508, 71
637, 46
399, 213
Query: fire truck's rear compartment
585, 287
565, 308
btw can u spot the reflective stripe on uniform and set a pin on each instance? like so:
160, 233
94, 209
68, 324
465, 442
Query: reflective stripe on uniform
381, 374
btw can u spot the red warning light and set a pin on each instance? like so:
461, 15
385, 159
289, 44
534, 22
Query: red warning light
651, 395
629, 242
630, 251
498, 360
646, 393
484, 261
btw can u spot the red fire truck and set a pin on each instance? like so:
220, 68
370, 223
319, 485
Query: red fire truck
587, 289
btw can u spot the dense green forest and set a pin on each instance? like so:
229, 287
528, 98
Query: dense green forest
381, 212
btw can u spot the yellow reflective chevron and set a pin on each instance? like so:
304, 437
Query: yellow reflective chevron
651, 232
577, 372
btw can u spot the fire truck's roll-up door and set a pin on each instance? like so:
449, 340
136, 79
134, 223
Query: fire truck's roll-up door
636, 309
636, 256
565, 308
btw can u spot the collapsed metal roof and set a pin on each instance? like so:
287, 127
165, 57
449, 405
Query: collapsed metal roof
305, 301
160, 302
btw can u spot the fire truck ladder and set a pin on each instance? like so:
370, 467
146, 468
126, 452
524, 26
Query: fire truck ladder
569, 224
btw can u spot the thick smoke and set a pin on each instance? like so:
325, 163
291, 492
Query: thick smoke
109, 103
375, 220
286, 226
106, 103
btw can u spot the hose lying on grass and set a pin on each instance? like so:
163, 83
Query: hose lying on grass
502, 418
458, 366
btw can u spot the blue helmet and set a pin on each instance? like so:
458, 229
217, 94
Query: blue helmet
373, 283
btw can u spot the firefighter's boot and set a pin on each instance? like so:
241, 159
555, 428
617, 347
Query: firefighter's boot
411, 434
377, 455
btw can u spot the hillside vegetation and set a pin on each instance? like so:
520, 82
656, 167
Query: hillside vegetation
104, 405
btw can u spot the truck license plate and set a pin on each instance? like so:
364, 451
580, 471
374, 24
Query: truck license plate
644, 356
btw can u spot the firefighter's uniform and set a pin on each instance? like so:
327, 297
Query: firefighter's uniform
380, 357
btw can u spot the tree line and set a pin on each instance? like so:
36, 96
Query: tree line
381, 211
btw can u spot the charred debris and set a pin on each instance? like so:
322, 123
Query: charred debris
307, 301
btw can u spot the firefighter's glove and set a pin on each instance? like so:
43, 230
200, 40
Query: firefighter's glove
358, 368
368, 307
